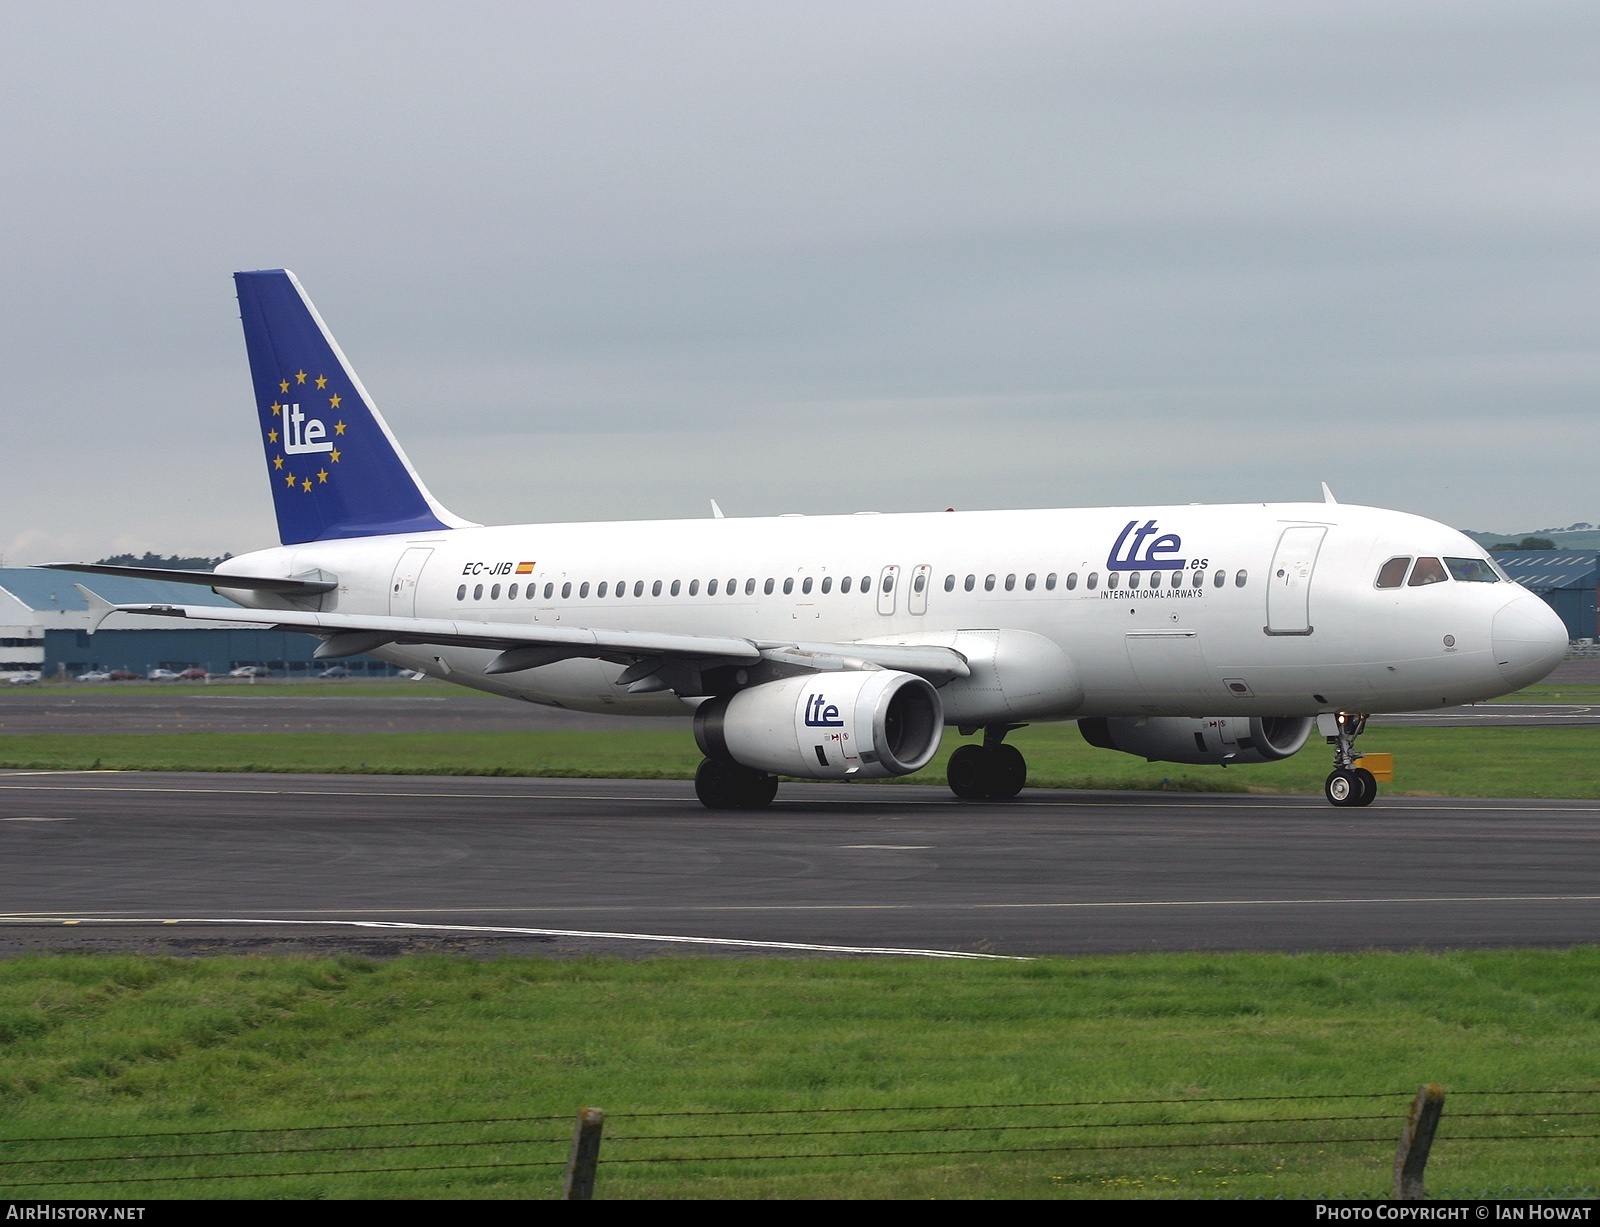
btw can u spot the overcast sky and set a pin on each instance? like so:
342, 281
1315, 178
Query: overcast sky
600, 261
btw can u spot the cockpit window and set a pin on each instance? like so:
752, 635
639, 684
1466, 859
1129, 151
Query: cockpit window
1393, 573
1472, 570
1428, 571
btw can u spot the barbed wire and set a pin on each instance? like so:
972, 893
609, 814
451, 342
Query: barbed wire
334, 1171
197, 1133
1150, 1124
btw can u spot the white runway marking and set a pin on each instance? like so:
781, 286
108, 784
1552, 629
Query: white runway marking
887, 847
35, 819
521, 932
878, 795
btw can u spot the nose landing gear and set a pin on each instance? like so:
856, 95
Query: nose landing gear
1348, 784
993, 771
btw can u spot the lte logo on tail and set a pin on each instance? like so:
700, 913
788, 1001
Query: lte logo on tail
301, 435
819, 716
1134, 560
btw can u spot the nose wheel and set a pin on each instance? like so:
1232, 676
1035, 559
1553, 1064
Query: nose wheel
1348, 784
993, 771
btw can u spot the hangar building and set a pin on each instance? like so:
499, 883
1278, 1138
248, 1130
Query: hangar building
44, 628
1567, 580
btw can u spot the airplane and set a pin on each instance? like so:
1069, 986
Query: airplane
843, 646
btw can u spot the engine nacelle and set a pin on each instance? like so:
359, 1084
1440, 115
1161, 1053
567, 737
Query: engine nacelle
866, 724
1202, 739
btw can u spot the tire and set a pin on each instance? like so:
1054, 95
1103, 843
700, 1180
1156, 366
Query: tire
968, 773
1008, 772
1343, 788
1369, 786
757, 791
717, 784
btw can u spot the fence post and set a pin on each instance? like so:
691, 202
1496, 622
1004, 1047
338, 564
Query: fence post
585, 1155
1415, 1141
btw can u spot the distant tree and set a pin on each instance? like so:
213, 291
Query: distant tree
1527, 543
170, 563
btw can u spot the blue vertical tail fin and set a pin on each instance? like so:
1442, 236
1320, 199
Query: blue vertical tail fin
335, 467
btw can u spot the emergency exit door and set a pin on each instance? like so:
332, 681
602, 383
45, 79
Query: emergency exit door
403, 587
1289, 581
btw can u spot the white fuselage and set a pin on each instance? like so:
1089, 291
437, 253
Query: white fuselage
1325, 638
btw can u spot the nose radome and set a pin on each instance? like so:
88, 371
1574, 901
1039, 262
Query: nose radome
1529, 640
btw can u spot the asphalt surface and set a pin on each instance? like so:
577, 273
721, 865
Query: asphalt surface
101, 861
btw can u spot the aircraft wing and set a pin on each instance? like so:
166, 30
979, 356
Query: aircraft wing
527, 646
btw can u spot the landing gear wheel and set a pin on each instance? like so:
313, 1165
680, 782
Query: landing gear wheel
1008, 772
968, 773
1344, 787
717, 784
721, 785
1369, 785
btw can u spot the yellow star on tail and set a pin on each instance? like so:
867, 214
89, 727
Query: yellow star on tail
338, 428
322, 381
334, 455
277, 462
290, 479
334, 400
272, 436
307, 484
283, 385
276, 408
322, 475
300, 377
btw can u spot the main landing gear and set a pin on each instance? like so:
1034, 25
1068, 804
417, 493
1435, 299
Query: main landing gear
721, 785
993, 771
1348, 784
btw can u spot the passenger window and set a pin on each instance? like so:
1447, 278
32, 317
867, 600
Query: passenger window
1094, 579
988, 583
750, 586
788, 585
511, 592
866, 584
844, 584
1199, 578
767, 587
970, 581
1072, 580
1238, 579
494, 593
1222, 578
1111, 579
733, 587
805, 586
918, 584
461, 593
1030, 581
711, 588
583, 591
477, 593
677, 587
949, 583
1393, 573
827, 584
1011, 582
1472, 570
655, 588
1177, 579
1050, 582
1133, 580
601, 590
566, 590
638, 587
1427, 571
694, 587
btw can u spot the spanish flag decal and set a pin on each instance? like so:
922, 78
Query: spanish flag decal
524, 568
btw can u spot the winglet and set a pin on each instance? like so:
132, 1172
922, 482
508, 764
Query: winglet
716, 512
1327, 494
99, 608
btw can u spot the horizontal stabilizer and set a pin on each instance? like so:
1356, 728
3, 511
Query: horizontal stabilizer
211, 579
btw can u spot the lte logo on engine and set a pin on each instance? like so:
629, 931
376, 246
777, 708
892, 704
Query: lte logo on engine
302, 434
1152, 557
819, 716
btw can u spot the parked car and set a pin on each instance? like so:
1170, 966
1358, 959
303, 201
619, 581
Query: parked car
249, 671
335, 671
23, 679
124, 675
194, 673
162, 675
94, 675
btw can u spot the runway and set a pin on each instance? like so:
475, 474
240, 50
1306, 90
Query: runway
638, 867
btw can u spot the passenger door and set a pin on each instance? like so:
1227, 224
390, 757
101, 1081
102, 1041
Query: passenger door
1289, 580
917, 597
888, 581
403, 587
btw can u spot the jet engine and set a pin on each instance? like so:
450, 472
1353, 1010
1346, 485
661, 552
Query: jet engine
860, 725
1204, 739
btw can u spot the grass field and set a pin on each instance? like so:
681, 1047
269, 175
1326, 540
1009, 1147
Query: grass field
1481, 762
98, 1045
